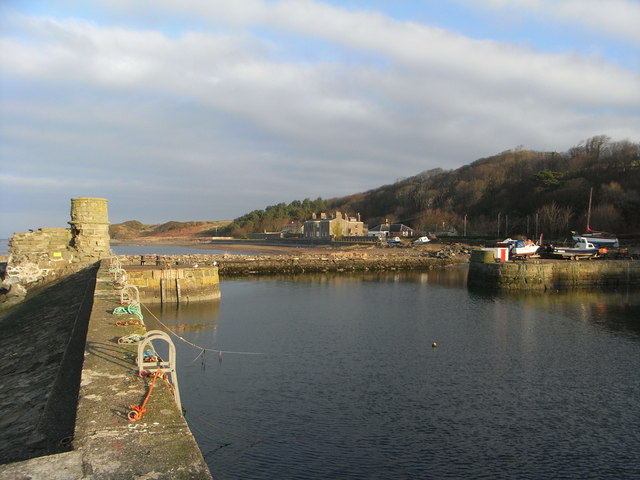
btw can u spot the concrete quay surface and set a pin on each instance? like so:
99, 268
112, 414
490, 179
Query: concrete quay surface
105, 444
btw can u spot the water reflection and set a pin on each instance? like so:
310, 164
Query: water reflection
455, 277
191, 317
615, 309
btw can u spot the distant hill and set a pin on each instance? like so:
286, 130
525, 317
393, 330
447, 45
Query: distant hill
134, 229
517, 191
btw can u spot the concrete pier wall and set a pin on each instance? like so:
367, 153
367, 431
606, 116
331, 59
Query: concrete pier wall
553, 274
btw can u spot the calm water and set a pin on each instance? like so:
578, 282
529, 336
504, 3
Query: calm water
348, 386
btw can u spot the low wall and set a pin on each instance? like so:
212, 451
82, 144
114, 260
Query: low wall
553, 274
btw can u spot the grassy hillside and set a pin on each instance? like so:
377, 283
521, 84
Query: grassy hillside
135, 229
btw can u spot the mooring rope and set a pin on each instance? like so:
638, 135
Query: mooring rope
199, 347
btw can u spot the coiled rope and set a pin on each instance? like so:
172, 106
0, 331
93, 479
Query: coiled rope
131, 309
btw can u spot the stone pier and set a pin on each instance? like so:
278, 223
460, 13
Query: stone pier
544, 275
71, 413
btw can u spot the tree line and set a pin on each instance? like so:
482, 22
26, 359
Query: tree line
516, 192
274, 218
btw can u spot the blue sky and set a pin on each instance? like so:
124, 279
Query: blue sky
208, 109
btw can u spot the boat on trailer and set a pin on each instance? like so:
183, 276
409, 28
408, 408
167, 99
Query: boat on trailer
599, 239
521, 249
582, 249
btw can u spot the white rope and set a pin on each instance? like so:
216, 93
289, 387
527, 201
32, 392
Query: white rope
204, 349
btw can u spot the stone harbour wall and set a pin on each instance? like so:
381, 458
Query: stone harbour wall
553, 274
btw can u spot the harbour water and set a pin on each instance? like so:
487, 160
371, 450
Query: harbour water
326, 377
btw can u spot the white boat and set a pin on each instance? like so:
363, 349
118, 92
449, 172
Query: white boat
421, 241
599, 239
520, 248
582, 249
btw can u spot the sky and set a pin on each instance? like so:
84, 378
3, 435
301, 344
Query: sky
208, 109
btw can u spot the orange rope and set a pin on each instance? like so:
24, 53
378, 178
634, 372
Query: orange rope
137, 411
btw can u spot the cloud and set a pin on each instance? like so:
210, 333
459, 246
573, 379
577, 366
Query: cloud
614, 18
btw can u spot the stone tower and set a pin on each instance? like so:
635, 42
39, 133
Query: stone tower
90, 228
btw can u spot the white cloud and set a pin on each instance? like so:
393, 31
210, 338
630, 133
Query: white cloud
614, 18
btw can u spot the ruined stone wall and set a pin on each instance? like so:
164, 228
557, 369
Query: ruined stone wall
48, 253
38, 254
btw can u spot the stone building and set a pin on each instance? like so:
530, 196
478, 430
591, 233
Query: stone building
340, 225
47, 253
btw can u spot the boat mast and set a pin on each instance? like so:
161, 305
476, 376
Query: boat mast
589, 210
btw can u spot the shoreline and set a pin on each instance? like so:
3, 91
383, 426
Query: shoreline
299, 259
253, 246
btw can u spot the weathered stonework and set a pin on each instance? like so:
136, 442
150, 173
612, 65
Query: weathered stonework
552, 274
48, 253
90, 228
175, 285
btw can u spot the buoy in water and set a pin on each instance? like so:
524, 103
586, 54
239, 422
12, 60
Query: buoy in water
434, 345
